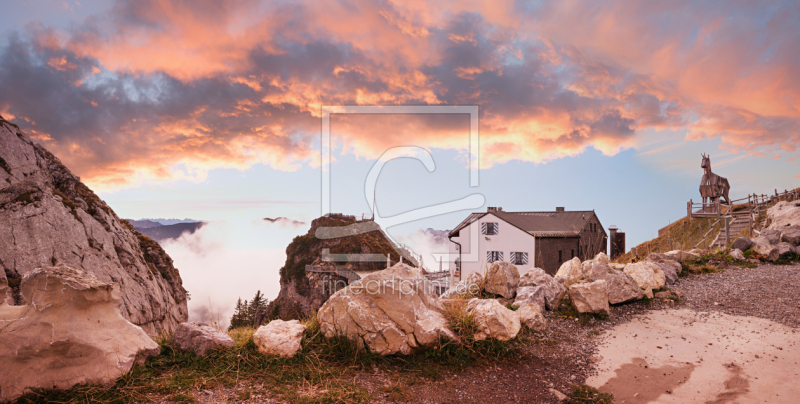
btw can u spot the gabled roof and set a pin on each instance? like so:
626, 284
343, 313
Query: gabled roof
576, 219
539, 224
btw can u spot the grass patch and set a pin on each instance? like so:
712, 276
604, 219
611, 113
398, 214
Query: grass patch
512, 307
788, 258
583, 394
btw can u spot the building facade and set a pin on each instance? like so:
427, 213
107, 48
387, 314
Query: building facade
525, 239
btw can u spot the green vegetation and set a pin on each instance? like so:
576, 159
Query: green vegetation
583, 394
244, 315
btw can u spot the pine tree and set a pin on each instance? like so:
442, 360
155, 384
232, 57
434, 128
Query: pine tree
244, 314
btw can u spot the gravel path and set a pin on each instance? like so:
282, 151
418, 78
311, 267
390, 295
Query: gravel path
769, 291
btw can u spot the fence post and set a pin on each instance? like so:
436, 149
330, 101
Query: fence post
689, 209
727, 232
750, 219
717, 207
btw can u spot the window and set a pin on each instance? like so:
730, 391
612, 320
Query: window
519, 258
489, 229
573, 254
492, 256
560, 259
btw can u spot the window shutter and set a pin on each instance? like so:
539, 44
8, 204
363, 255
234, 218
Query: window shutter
497, 228
483, 228
499, 255
524, 258
488, 256
511, 257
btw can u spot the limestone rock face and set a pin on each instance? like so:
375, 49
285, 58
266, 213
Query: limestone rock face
531, 295
742, 244
553, 290
49, 217
621, 287
502, 279
764, 248
737, 254
571, 271
279, 338
782, 215
772, 236
391, 311
791, 235
469, 287
530, 316
590, 297
494, 320
71, 332
647, 274
200, 337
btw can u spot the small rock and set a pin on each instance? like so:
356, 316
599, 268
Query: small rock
279, 338
200, 337
559, 395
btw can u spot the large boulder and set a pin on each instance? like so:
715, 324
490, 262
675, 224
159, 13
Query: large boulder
621, 287
742, 244
200, 337
784, 248
71, 333
586, 266
391, 311
772, 236
765, 249
531, 295
469, 287
737, 254
55, 219
571, 272
530, 316
279, 337
670, 267
502, 279
590, 297
647, 274
782, 215
553, 290
493, 319
680, 256
791, 235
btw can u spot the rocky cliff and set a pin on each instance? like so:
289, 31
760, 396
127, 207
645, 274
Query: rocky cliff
49, 217
303, 293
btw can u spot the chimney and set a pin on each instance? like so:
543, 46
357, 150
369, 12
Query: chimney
494, 209
559, 208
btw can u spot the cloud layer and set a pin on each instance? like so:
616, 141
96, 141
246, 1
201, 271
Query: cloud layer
170, 89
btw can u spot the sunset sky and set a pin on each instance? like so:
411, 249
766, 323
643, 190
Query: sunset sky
212, 111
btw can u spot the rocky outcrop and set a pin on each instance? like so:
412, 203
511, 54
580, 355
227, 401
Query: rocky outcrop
590, 297
621, 287
303, 293
647, 274
571, 272
49, 217
200, 337
493, 319
791, 235
742, 244
782, 215
279, 337
531, 295
391, 311
502, 279
737, 254
469, 287
553, 290
70, 332
530, 316
765, 249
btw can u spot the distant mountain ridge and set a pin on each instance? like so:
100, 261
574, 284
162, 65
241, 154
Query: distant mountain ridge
166, 229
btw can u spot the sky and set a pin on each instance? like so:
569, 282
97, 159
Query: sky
212, 110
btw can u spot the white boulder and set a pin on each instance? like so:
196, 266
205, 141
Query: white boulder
553, 290
765, 249
502, 279
570, 271
737, 254
783, 214
590, 297
646, 274
394, 311
680, 256
71, 333
530, 316
621, 287
493, 319
200, 337
279, 337
531, 295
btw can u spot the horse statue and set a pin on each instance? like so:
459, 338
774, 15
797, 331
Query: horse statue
712, 185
